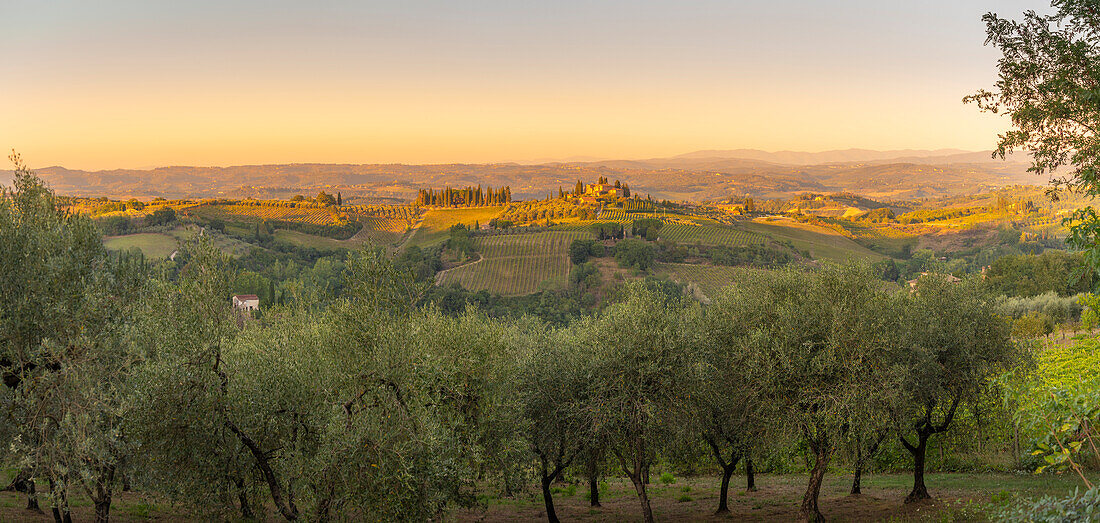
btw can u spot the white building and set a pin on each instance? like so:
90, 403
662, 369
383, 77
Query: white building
246, 302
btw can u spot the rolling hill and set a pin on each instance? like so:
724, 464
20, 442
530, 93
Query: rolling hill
696, 177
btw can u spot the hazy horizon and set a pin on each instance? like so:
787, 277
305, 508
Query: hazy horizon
137, 85
878, 155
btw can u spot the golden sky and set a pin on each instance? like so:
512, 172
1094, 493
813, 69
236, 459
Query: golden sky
138, 84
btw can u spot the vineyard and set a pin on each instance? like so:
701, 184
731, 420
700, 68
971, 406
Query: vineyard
711, 279
303, 217
405, 213
1066, 371
821, 242
585, 225
259, 213
690, 234
514, 265
382, 230
614, 215
637, 205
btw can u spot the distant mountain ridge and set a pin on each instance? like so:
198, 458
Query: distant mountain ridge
847, 156
702, 175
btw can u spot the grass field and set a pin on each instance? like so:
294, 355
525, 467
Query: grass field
152, 244
437, 221
823, 244
161, 244
516, 264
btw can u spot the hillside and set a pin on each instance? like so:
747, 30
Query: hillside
847, 156
914, 174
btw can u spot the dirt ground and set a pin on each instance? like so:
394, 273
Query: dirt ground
126, 506
959, 497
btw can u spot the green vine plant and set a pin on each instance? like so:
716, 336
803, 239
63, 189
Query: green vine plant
1071, 420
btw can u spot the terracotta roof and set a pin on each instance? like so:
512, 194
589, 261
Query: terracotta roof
246, 297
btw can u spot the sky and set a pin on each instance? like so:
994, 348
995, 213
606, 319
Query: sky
137, 84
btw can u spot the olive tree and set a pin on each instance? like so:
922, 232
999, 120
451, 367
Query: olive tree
639, 346
727, 406
824, 338
193, 445
551, 388
952, 343
64, 347
369, 407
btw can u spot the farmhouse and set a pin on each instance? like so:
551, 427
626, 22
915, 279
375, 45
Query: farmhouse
601, 189
246, 302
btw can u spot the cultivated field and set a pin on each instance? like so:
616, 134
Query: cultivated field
710, 279
516, 264
437, 221
382, 230
615, 215
259, 213
821, 242
708, 235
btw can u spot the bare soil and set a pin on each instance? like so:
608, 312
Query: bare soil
959, 497
777, 499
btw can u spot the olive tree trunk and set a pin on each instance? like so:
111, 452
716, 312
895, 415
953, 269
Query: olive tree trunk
750, 473
643, 497
810, 511
919, 452
925, 429
593, 489
727, 472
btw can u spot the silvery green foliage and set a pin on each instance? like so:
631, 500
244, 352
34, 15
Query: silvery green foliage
1079, 507
1060, 309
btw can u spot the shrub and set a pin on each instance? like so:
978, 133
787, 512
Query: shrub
162, 216
113, 225
635, 253
684, 499
643, 227
667, 478
580, 250
586, 274
1078, 507
1033, 325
